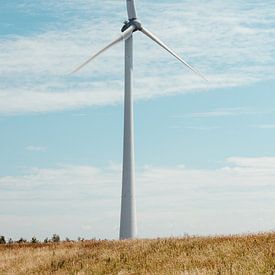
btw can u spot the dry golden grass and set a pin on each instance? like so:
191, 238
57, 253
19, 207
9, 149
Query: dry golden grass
253, 254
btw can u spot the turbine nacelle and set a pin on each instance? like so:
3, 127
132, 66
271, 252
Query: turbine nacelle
132, 22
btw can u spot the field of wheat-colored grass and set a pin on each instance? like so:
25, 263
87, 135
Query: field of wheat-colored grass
249, 254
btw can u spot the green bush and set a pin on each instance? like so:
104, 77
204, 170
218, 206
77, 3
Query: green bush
21, 240
2, 240
55, 238
34, 240
10, 241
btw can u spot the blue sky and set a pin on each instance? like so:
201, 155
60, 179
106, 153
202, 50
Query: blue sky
205, 154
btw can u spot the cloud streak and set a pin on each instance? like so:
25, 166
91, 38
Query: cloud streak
227, 112
35, 148
266, 126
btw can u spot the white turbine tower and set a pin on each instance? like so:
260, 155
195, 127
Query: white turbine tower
128, 224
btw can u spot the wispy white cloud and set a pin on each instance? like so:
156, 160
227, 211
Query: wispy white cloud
258, 164
225, 112
198, 201
231, 43
266, 126
196, 128
36, 148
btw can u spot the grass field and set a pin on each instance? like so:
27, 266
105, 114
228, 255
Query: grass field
249, 254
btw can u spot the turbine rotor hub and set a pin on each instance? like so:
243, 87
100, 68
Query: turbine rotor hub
132, 22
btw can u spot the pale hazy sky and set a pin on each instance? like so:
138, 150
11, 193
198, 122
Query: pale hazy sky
205, 153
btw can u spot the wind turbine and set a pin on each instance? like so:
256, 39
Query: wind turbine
128, 224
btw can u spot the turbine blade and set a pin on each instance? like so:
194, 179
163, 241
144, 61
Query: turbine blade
158, 41
124, 36
131, 9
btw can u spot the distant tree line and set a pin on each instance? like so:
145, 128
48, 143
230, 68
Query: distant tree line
54, 239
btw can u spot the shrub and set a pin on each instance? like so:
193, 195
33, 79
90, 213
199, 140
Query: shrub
21, 240
55, 238
2, 240
10, 241
34, 240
